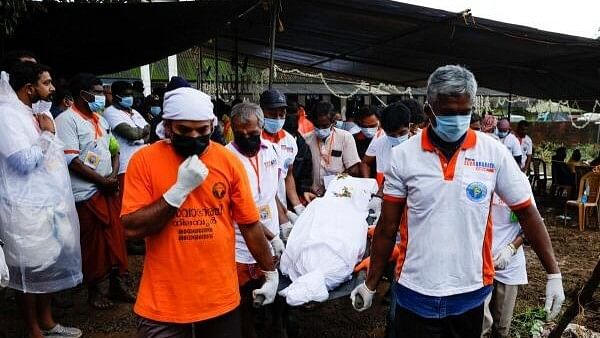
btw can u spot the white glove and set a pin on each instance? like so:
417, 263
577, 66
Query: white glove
555, 295
375, 205
286, 229
269, 288
191, 173
504, 256
299, 209
278, 246
366, 295
292, 217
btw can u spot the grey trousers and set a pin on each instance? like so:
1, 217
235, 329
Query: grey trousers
227, 325
498, 310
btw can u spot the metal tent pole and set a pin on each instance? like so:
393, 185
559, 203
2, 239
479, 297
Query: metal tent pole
237, 64
274, 18
216, 78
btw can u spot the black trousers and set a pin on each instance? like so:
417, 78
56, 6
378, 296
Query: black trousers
225, 326
466, 325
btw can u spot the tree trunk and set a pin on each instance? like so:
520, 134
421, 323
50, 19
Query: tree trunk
584, 298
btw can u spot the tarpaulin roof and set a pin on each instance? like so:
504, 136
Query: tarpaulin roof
400, 43
380, 40
109, 37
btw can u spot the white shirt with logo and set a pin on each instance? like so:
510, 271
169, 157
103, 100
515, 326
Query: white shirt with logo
81, 141
527, 149
512, 143
115, 117
505, 231
446, 231
287, 150
264, 183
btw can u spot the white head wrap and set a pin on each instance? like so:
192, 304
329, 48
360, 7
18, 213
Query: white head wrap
185, 104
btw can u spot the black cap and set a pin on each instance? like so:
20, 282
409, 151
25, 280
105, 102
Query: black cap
177, 82
272, 98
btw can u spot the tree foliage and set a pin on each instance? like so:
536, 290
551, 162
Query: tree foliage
12, 11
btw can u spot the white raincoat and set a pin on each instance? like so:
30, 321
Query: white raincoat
38, 219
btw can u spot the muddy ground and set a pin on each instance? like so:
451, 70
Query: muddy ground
577, 253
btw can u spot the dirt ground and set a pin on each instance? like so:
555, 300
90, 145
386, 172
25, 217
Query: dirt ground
577, 253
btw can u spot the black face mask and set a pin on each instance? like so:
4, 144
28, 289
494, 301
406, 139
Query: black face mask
291, 124
248, 146
188, 146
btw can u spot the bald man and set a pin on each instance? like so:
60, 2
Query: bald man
509, 140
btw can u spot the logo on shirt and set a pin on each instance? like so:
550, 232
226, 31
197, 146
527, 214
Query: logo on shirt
476, 192
219, 190
270, 164
480, 165
286, 148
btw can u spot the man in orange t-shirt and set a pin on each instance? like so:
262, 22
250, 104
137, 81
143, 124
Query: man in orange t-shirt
183, 196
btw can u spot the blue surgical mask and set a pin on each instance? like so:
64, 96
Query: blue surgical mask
369, 132
339, 124
502, 134
394, 141
155, 110
98, 105
451, 128
273, 126
126, 101
323, 133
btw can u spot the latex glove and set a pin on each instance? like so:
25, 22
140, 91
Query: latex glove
504, 256
278, 246
375, 205
364, 293
555, 295
268, 289
291, 216
299, 209
192, 172
285, 228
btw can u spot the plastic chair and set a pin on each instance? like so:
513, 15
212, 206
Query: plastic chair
539, 177
592, 180
562, 180
580, 171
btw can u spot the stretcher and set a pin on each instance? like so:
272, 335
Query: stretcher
289, 326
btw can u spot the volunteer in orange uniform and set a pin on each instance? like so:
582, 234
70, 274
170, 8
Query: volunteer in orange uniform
446, 177
183, 195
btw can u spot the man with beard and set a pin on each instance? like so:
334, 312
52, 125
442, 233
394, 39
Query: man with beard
38, 221
184, 195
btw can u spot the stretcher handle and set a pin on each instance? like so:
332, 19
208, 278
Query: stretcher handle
258, 301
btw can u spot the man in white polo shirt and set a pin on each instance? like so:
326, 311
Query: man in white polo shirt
438, 189
526, 145
126, 123
274, 105
263, 167
510, 266
510, 140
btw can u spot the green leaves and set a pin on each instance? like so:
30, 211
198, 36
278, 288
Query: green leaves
529, 323
11, 11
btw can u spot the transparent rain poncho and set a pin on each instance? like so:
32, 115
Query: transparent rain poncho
38, 219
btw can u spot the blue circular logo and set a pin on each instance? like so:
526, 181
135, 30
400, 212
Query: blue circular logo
476, 191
